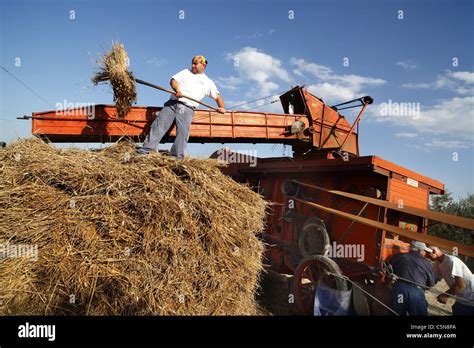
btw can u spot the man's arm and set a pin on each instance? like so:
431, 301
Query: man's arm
175, 85
431, 281
437, 273
457, 287
220, 104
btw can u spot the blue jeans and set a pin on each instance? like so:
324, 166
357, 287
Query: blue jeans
172, 111
406, 298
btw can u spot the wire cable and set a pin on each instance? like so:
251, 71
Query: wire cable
253, 101
26, 86
427, 288
346, 278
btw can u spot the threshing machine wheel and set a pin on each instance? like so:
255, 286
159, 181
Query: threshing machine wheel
314, 238
290, 188
310, 272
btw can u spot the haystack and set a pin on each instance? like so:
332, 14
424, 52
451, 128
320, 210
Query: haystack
114, 68
120, 234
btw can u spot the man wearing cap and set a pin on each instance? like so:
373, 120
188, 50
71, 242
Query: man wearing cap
459, 279
411, 268
189, 82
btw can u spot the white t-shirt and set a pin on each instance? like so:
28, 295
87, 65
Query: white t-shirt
196, 86
451, 267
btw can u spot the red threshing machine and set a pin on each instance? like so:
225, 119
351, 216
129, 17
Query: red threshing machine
325, 198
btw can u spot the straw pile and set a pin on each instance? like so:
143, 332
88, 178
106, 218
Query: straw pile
121, 234
113, 68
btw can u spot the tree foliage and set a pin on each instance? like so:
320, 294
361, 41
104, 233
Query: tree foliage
462, 207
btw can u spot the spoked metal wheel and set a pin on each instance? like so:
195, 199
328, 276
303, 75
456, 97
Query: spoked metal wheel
311, 272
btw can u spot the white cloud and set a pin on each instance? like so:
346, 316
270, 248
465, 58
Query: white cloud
230, 104
407, 65
448, 144
457, 82
417, 85
256, 35
155, 61
268, 88
406, 135
269, 105
332, 92
465, 76
331, 86
255, 66
265, 74
464, 91
230, 83
357, 82
319, 71
452, 116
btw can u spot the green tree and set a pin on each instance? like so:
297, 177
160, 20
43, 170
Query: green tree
462, 207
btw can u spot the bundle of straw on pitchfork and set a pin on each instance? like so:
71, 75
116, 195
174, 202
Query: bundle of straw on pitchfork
113, 67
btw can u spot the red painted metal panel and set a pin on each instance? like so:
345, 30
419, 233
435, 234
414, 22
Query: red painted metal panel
324, 128
380, 162
103, 125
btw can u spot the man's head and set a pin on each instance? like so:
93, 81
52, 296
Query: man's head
420, 247
436, 254
198, 64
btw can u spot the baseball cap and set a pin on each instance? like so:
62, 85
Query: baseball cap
416, 245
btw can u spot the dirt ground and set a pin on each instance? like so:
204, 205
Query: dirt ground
274, 296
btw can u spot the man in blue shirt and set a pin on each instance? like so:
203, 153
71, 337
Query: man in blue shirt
405, 296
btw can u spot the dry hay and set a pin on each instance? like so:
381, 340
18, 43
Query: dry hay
121, 234
113, 67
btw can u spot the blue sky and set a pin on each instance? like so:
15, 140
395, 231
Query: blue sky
422, 55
